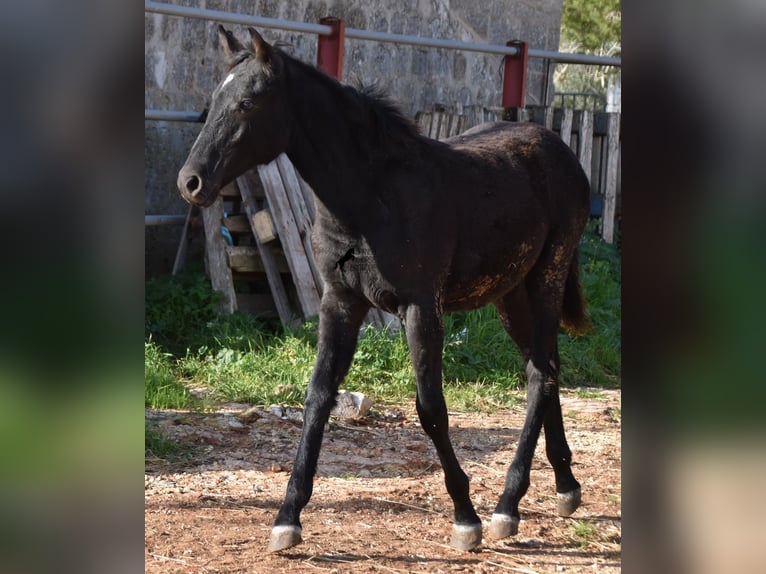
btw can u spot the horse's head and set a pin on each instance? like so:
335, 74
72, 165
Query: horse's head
247, 124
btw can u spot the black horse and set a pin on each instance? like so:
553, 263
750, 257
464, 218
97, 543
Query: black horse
417, 228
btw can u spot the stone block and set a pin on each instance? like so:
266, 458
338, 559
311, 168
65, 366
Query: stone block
351, 405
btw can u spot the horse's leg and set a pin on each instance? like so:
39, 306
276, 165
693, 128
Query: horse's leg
568, 491
340, 317
544, 287
425, 339
516, 317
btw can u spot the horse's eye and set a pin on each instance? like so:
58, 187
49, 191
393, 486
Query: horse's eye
246, 105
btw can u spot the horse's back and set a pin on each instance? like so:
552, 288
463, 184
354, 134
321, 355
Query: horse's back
530, 155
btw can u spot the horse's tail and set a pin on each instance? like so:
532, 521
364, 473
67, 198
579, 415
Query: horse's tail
575, 318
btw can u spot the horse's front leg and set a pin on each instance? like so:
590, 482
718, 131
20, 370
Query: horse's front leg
340, 316
425, 339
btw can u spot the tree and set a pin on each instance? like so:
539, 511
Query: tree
592, 27
591, 24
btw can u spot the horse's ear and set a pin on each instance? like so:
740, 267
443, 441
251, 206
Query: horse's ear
262, 49
229, 44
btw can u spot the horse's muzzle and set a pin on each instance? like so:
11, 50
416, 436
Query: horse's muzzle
193, 188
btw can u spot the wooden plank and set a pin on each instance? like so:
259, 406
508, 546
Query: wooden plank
229, 191
566, 126
585, 142
183, 244
462, 124
436, 124
218, 263
237, 223
303, 220
308, 198
266, 251
423, 121
610, 191
290, 238
247, 259
548, 117
454, 126
263, 226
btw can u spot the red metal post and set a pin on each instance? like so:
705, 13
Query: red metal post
515, 76
330, 49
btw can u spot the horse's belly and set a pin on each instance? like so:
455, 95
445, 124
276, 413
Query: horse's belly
483, 291
477, 279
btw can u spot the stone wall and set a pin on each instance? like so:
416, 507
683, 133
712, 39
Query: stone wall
183, 66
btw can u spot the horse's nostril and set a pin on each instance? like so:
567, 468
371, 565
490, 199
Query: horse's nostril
193, 184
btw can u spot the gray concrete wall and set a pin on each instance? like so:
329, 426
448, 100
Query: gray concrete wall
182, 67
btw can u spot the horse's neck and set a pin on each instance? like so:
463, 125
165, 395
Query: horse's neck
322, 144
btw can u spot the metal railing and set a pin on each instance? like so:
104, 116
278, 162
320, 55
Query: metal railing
355, 33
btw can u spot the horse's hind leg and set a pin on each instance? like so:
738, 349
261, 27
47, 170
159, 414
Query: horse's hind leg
425, 339
532, 322
557, 450
340, 317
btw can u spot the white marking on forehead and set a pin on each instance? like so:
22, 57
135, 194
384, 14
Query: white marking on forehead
228, 79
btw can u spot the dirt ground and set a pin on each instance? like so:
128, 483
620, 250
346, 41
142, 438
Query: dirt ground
379, 502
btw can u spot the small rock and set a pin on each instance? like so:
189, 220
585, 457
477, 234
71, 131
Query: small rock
294, 414
276, 411
250, 415
234, 423
351, 405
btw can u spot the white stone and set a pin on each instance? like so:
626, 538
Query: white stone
351, 405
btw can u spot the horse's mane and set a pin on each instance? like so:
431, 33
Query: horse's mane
379, 124
383, 115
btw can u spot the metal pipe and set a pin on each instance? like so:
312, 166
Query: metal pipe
156, 220
429, 42
567, 58
171, 116
355, 33
232, 18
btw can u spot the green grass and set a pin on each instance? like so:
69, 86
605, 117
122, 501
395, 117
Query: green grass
584, 532
158, 445
239, 358
162, 389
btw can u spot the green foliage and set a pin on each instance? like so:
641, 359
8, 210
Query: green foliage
238, 358
178, 309
162, 390
591, 24
592, 27
158, 445
584, 532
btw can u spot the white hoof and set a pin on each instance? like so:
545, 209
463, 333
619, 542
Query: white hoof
466, 536
283, 537
503, 526
568, 501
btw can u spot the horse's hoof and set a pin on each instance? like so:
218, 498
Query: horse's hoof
503, 526
466, 536
568, 501
283, 537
